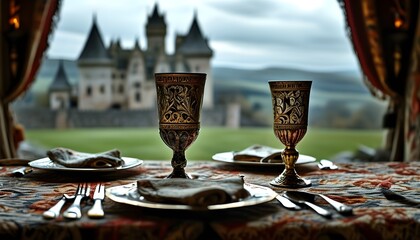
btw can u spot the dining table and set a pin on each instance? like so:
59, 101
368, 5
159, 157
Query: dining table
23, 199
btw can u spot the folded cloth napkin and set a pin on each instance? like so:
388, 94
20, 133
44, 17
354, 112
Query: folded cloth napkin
254, 153
73, 159
197, 193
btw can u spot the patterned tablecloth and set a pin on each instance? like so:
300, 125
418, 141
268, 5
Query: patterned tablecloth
22, 201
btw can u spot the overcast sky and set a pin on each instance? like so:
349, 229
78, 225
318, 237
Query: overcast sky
306, 34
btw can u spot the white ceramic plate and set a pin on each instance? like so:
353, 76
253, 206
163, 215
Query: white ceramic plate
227, 157
46, 164
128, 194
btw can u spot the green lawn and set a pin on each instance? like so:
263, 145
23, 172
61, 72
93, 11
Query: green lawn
145, 143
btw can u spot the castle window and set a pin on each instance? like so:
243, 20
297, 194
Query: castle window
138, 97
135, 68
102, 89
122, 75
61, 102
121, 89
137, 85
114, 76
89, 91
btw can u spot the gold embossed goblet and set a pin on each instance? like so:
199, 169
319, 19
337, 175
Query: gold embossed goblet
179, 100
290, 107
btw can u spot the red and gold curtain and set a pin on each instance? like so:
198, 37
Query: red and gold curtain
25, 27
385, 37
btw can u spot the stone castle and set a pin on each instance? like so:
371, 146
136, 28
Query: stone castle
117, 78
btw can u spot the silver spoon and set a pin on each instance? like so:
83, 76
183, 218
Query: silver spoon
20, 172
325, 164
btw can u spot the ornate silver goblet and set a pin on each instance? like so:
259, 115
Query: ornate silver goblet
179, 100
290, 107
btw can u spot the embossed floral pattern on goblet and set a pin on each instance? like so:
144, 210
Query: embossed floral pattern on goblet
290, 108
179, 100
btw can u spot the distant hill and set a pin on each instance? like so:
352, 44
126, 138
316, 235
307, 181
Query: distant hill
337, 81
253, 84
338, 98
47, 71
329, 86
49, 67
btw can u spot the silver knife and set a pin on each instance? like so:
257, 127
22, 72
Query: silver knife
287, 203
310, 197
296, 199
339, 207
97, 211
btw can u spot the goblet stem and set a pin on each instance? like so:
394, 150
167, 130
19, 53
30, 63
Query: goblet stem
289, 178
179, 162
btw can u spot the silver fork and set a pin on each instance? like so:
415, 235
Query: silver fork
96, 211
74, 212
54, 211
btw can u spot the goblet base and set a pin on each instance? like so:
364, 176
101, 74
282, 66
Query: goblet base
290, 181
179, 174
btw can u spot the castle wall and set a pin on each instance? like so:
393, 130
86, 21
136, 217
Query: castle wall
98, 79
202, 65
38, 118
59, 100
118, 89
140, 92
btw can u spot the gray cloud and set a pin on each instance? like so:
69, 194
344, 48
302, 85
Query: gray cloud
250, 33
246, 9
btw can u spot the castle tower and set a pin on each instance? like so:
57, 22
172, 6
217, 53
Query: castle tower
156, 32
119, 74
140, 93
96, 71
118, 77
60, 90
197, 54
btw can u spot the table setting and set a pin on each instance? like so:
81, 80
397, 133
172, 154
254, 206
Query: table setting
258, 192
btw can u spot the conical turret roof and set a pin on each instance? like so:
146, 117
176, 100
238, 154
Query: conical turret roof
155, 18
195, 43
94, 48
60, 81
